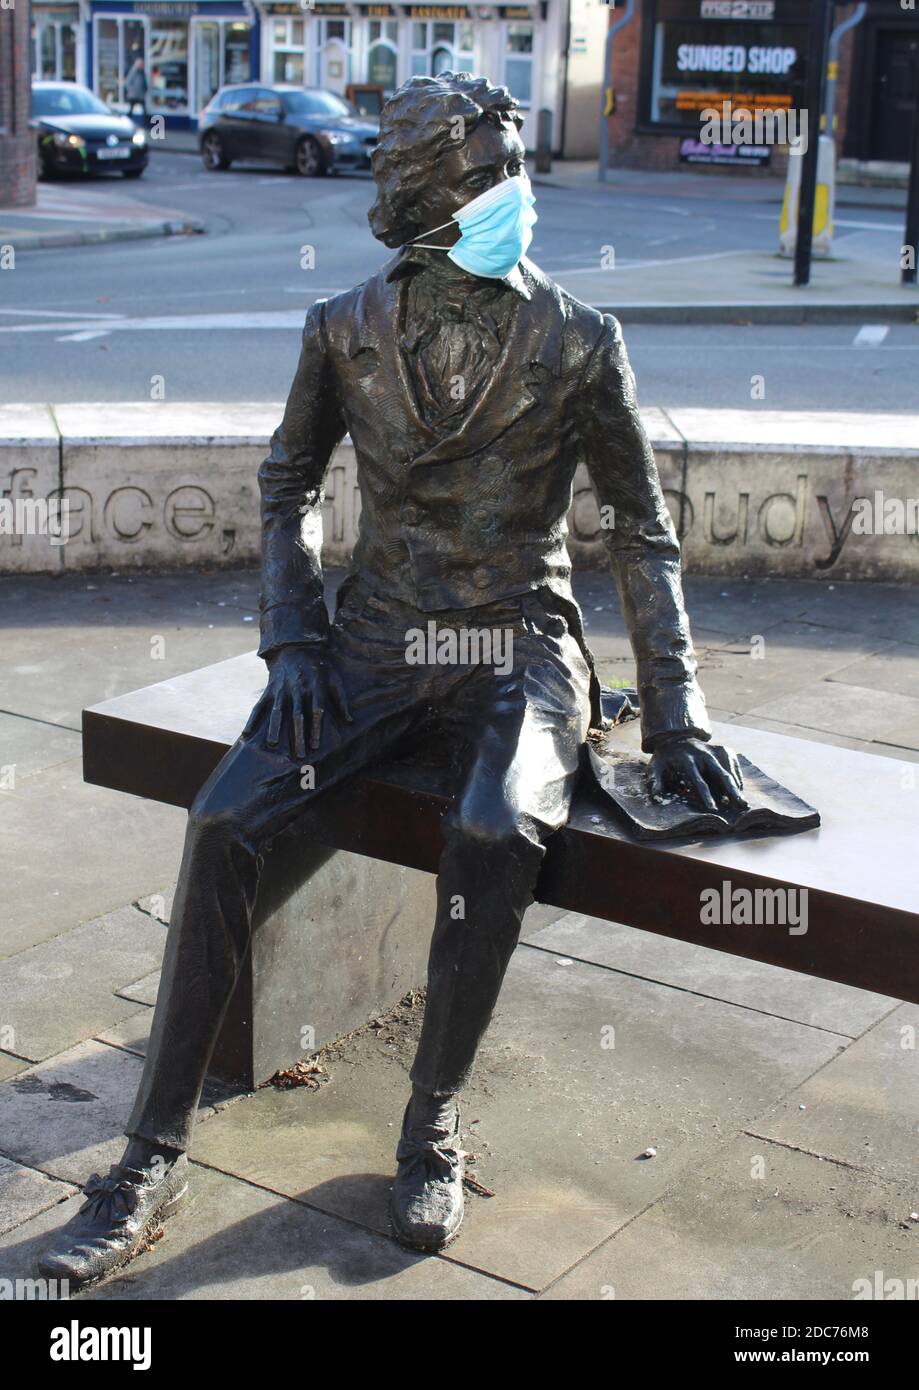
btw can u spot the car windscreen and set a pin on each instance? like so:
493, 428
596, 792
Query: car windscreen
66, 101
316, 104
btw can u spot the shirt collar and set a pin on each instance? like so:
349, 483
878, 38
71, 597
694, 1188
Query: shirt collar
413, 259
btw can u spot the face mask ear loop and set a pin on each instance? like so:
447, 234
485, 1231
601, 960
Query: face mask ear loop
430, 232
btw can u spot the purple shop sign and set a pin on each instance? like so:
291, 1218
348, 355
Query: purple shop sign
696, 152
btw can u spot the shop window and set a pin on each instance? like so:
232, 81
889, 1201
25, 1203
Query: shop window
236, 52
697, 58
383, 54
67, 59
518, 61
54, 50
168, 75
220, 49
333, 54
287, 45
119, 42
441, 47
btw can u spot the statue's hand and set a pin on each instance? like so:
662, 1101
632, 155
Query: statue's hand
301, 681
690, 767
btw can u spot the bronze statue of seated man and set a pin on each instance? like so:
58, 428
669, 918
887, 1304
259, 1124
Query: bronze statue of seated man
471, 386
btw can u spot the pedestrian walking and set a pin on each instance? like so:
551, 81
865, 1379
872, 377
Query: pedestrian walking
136, 88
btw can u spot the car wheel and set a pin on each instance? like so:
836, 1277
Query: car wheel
213, 153
310, 159
131, 173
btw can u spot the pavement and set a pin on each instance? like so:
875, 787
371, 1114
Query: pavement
77, 214
780, 1107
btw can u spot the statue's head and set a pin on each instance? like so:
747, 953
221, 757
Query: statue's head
443, 141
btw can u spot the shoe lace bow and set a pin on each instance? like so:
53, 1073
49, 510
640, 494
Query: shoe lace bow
113, 1197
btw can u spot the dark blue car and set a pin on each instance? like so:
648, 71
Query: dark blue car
307, 130
78, 134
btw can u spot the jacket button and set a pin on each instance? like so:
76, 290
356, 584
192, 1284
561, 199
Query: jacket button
412, 515
481, 578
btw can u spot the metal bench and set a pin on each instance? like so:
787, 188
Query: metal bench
346, 906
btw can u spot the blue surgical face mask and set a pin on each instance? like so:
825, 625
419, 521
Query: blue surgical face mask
496, 229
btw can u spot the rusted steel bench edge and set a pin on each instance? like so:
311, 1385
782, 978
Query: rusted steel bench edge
866, 945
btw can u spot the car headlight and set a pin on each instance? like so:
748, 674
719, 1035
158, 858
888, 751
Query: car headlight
139, 138
76, 142
336, 137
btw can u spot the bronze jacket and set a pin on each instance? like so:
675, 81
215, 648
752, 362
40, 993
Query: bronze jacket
457, 521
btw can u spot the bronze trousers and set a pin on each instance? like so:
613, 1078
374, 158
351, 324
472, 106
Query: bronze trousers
519, 720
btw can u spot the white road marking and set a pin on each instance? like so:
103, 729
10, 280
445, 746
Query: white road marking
53, 314
277, 318
83, 337
871, 335
643, 265
839, 222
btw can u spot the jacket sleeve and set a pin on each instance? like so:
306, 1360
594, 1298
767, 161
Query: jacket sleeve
641, 542
290, 480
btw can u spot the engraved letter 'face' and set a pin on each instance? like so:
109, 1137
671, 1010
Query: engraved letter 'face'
491, 154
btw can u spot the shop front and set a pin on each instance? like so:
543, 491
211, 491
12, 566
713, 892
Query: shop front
339, 45
680, 58
703, 54
189, 50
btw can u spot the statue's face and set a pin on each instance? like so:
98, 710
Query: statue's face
490, 155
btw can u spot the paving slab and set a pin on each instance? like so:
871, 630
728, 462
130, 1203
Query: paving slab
774, 665
141, 991
848, 709
24, 1192
756, 1221
861, 1108
62, 991
67, 1116
159, 905
896, 670
738, 608
55, 679
72, 852
556, 1118
714, 974
10, 1066
132, 1034
881, 610
28, 745
233, 1241
861, 745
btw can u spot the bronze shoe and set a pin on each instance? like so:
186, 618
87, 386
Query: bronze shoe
426, 1203
120, 1213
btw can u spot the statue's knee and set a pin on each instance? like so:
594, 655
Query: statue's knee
211, 821
498, 828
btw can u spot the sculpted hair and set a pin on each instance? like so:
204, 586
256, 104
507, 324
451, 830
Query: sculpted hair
424, 118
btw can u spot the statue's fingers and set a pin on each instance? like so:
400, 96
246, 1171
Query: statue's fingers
274, 723
698, 787
297, 719
315, 725
736, 769
721, 781
257, 712
656, 782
